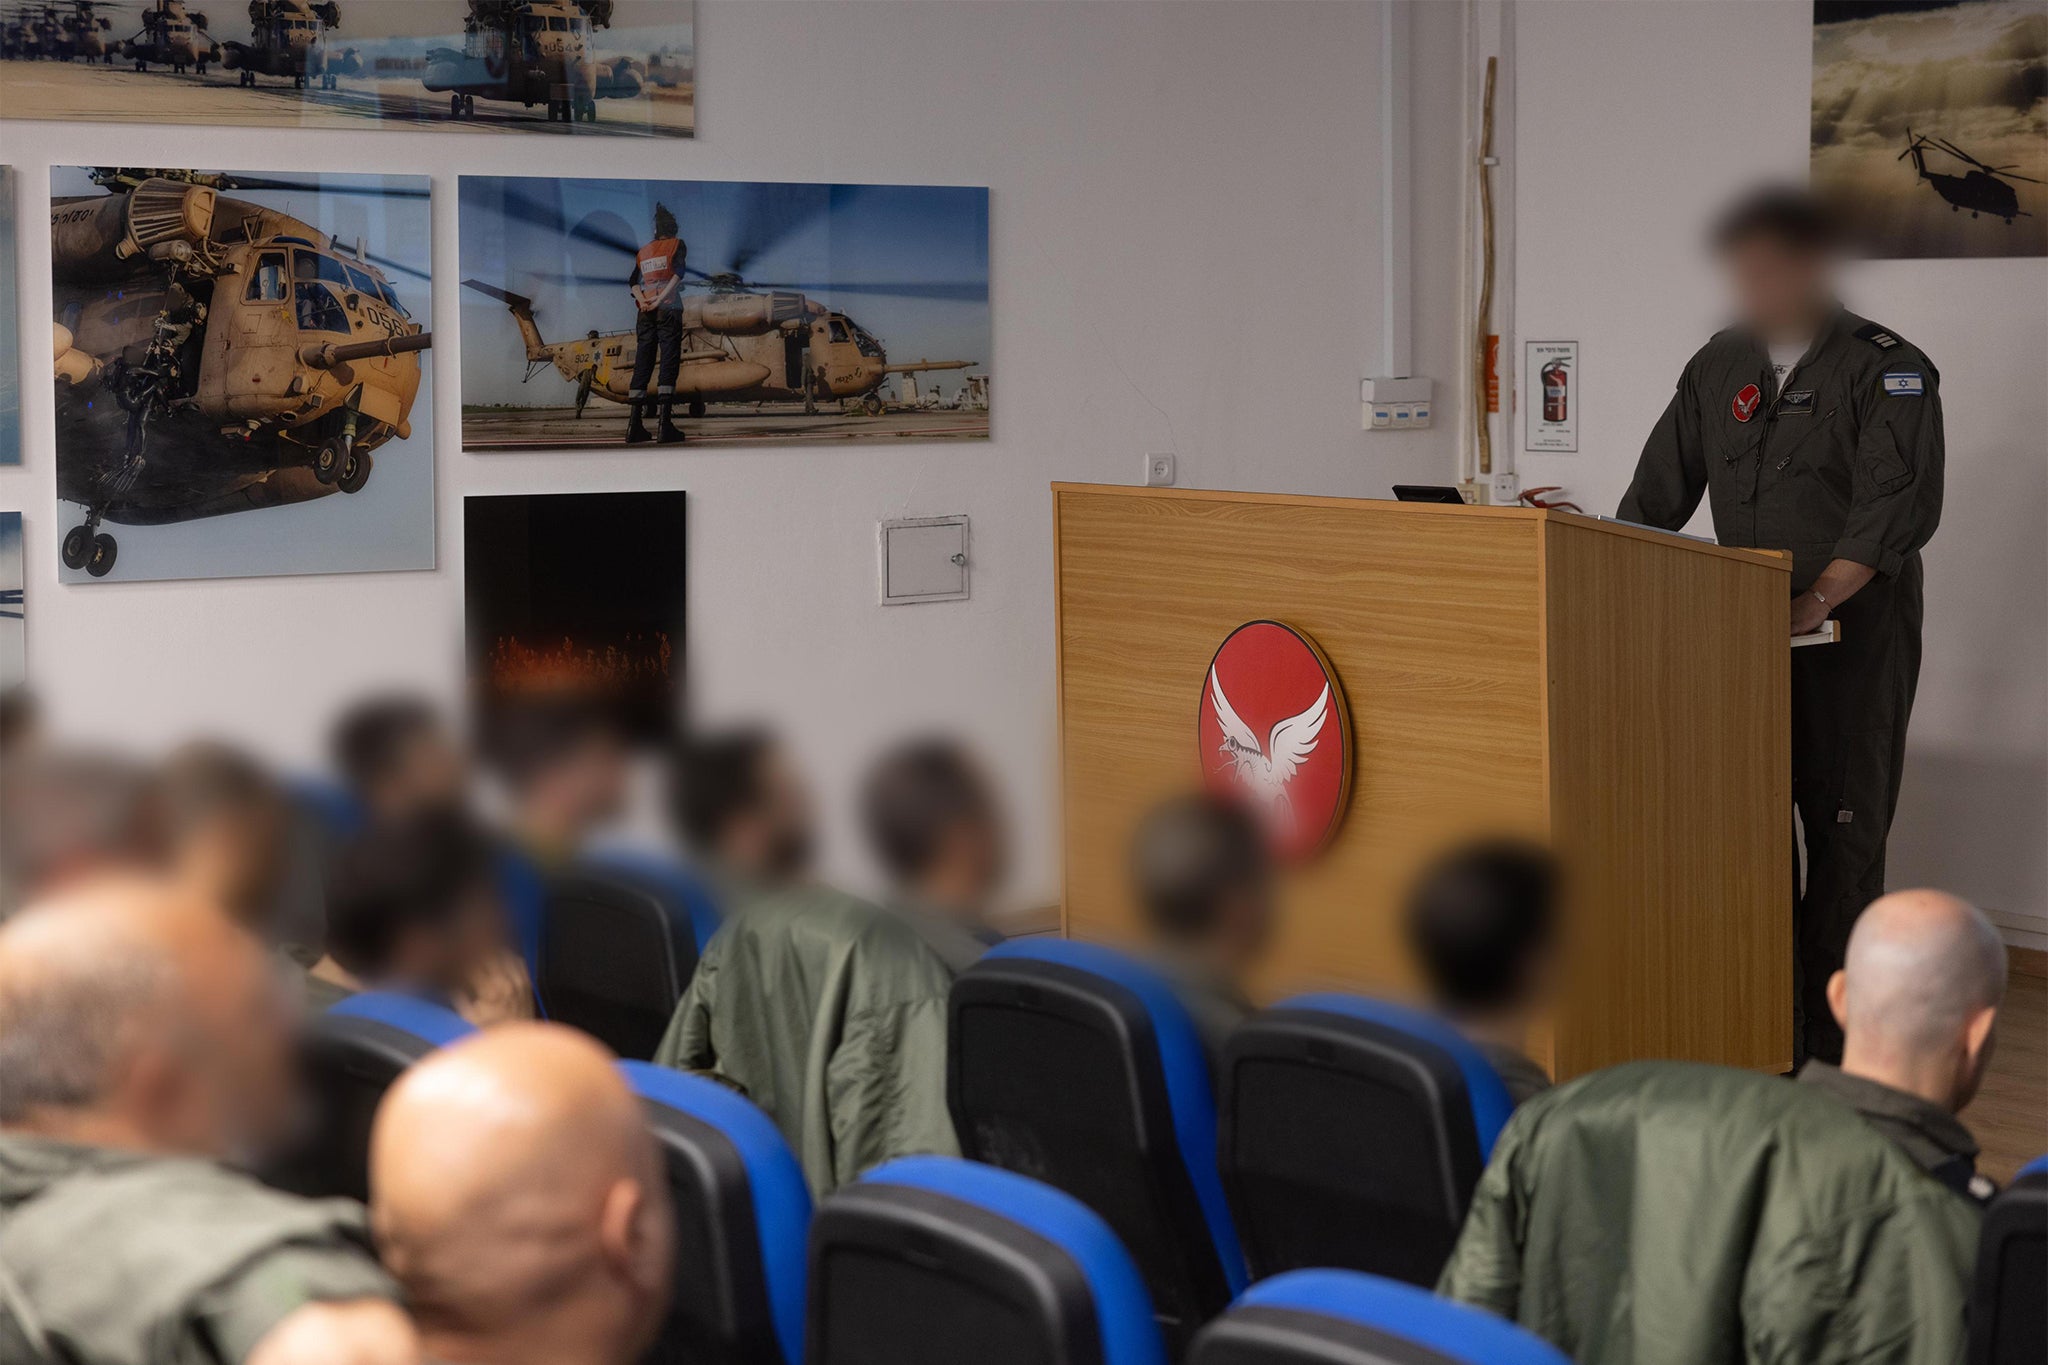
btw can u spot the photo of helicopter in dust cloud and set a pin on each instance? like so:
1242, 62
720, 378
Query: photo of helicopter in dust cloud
737, 326
620, 67
1928, 138
232, 346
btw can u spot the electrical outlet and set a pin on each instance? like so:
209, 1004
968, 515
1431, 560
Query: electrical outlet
1507, 488
1159, 471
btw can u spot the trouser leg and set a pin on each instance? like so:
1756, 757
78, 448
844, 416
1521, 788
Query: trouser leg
670, 332
1850, 706
646, 350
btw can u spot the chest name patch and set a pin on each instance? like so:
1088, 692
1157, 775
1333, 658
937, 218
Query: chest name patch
1798, 403
1904, 384
1744, 406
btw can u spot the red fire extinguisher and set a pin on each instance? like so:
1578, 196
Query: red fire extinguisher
1556, 395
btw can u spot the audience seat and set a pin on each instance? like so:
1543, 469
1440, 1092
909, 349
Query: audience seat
1352, 1134
523, 889
2009, 1306
619, 940
1076, 1065
742, 1214
935, 1261
1342, 1317
353, 1052
320, 817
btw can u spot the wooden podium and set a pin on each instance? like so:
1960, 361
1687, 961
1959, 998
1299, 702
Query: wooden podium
1618, 692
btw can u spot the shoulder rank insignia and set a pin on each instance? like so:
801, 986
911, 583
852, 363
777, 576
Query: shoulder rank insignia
1876, 336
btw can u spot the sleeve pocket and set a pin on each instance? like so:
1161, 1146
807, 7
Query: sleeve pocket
1888, 469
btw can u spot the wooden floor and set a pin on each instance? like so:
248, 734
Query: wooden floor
2010, 1117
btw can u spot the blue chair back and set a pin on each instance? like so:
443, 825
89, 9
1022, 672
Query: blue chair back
743, 1212
1343, 1317
619, 940
352, 1054
1353, 1132
523, 888
937, 1261
1077, 1065
2009, 1304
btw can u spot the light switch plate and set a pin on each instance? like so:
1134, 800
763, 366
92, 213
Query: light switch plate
922, 559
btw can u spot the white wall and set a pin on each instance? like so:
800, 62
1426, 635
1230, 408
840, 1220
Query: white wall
1185, 224
1634, 121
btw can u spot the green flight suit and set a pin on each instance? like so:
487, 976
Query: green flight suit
1846, 463
120, 1258
1671, 1213
831, 1014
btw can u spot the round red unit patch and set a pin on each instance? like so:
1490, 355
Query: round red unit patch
1746, 401
1272, 730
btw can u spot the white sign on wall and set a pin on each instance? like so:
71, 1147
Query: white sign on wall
1551, 370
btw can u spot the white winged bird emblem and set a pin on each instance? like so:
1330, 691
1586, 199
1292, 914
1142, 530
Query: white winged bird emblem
1265, 772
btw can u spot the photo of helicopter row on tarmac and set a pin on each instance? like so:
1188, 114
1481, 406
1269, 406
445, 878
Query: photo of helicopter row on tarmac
619, 312
561, 66
1930, 133
238, 371
10, 338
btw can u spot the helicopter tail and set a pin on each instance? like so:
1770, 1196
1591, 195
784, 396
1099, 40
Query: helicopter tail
522, 313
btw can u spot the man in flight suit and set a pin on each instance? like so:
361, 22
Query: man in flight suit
657, 285
1812, 430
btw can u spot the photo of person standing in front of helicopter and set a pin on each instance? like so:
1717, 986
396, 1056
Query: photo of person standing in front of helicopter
657, 285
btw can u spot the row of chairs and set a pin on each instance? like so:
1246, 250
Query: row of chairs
925, 1261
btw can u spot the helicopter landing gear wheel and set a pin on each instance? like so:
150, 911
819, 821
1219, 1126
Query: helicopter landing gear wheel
696, 405
298, 82
329, 459
355, 471
105, 550
872, 405
77, 546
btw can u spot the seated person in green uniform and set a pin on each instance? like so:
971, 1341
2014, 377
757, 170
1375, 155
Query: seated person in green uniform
224, 823
1917, 1000
564, 766
145, 1046
521, 1202
1673, 1212
396, 755
413, 907
932, 820
1481, 922
829, 1013
1207, 890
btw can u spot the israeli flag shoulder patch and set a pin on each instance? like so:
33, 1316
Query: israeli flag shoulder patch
1904, 384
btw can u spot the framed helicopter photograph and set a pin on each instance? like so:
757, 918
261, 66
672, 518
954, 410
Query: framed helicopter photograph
519, 66
240, 372
1929, 134
10, 336
13, 604
601, 313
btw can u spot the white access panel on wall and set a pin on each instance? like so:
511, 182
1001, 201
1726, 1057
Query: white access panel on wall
923, 559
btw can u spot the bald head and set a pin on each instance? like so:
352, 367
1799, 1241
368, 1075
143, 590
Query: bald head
134, 1014
519, 1197
1924, 974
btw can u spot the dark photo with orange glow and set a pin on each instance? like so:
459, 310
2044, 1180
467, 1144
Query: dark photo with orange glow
578, 596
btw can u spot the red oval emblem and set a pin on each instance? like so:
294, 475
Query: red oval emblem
1273, 730
1746, 401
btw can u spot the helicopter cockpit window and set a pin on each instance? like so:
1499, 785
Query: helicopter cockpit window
267, 282
839, 332
311, 265
318, 309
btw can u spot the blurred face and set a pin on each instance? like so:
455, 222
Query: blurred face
971, 863
591, 782
779, 833
443, 957
1245, 930
1780, 291
430, 773
237, 1092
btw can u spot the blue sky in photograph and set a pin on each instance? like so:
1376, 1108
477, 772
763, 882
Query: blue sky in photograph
567, 245
390, 523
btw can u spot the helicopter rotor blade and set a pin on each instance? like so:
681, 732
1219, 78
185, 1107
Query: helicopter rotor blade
259, 182
2028, 178
970, 290
772, 213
